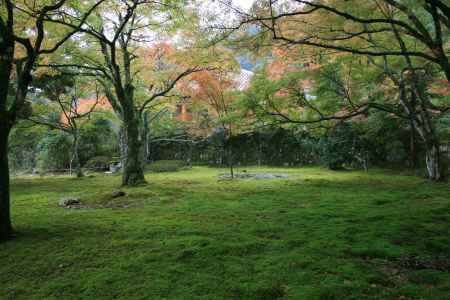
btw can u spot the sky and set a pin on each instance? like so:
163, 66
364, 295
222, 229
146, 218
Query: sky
245, 4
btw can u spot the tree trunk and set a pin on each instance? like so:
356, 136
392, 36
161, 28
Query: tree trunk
413, 147
145, 135
231, 163
76, 156
230, 156
123, 146
433, 161
133, 171
5, 215
260, 153
189, 154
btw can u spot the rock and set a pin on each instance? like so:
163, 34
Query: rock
115, 167
186, 254
69, 202
117, 194
246, 175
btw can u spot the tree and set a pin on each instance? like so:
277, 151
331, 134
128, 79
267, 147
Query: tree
406, 42
214, 90
123, 33
63, 92
353, 26
23, 40
347, 89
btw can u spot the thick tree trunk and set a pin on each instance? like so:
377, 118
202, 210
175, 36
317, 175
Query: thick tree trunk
123, 146
5, 215
133, 170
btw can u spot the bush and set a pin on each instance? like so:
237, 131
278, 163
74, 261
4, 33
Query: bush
166, 165
97, 138
100, 163
54, 152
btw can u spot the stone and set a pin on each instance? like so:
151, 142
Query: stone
186, 254
246, 175
117, 194
69, 202
115, 167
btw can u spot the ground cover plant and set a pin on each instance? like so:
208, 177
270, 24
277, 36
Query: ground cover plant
317, 234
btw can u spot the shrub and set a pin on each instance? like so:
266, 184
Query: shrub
54, 151
166, 165
100, 163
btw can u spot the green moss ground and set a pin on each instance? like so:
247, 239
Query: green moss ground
317, 235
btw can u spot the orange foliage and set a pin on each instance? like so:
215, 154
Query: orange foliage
86, 105
441, 87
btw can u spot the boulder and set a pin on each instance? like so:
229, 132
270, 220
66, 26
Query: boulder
69, 202
256, 176
117, 194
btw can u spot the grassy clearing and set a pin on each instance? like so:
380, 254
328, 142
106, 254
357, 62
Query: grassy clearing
316, 235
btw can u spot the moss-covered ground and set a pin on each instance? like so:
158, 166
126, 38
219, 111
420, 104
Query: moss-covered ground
316, 235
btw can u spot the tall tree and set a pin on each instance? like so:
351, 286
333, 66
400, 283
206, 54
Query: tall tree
23, 40
120, 38
214, 91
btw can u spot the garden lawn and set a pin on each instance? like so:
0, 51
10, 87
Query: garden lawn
316, 235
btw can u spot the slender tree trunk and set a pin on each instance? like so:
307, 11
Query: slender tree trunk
145, 135
133, 170
433, 161
221, 154
189, 158
412, 147
76, 155
231, 163
259, 155
231, 156
5, 214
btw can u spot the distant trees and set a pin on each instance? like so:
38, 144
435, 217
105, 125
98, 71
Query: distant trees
64, 93
402, 48
54, 151
43, 147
